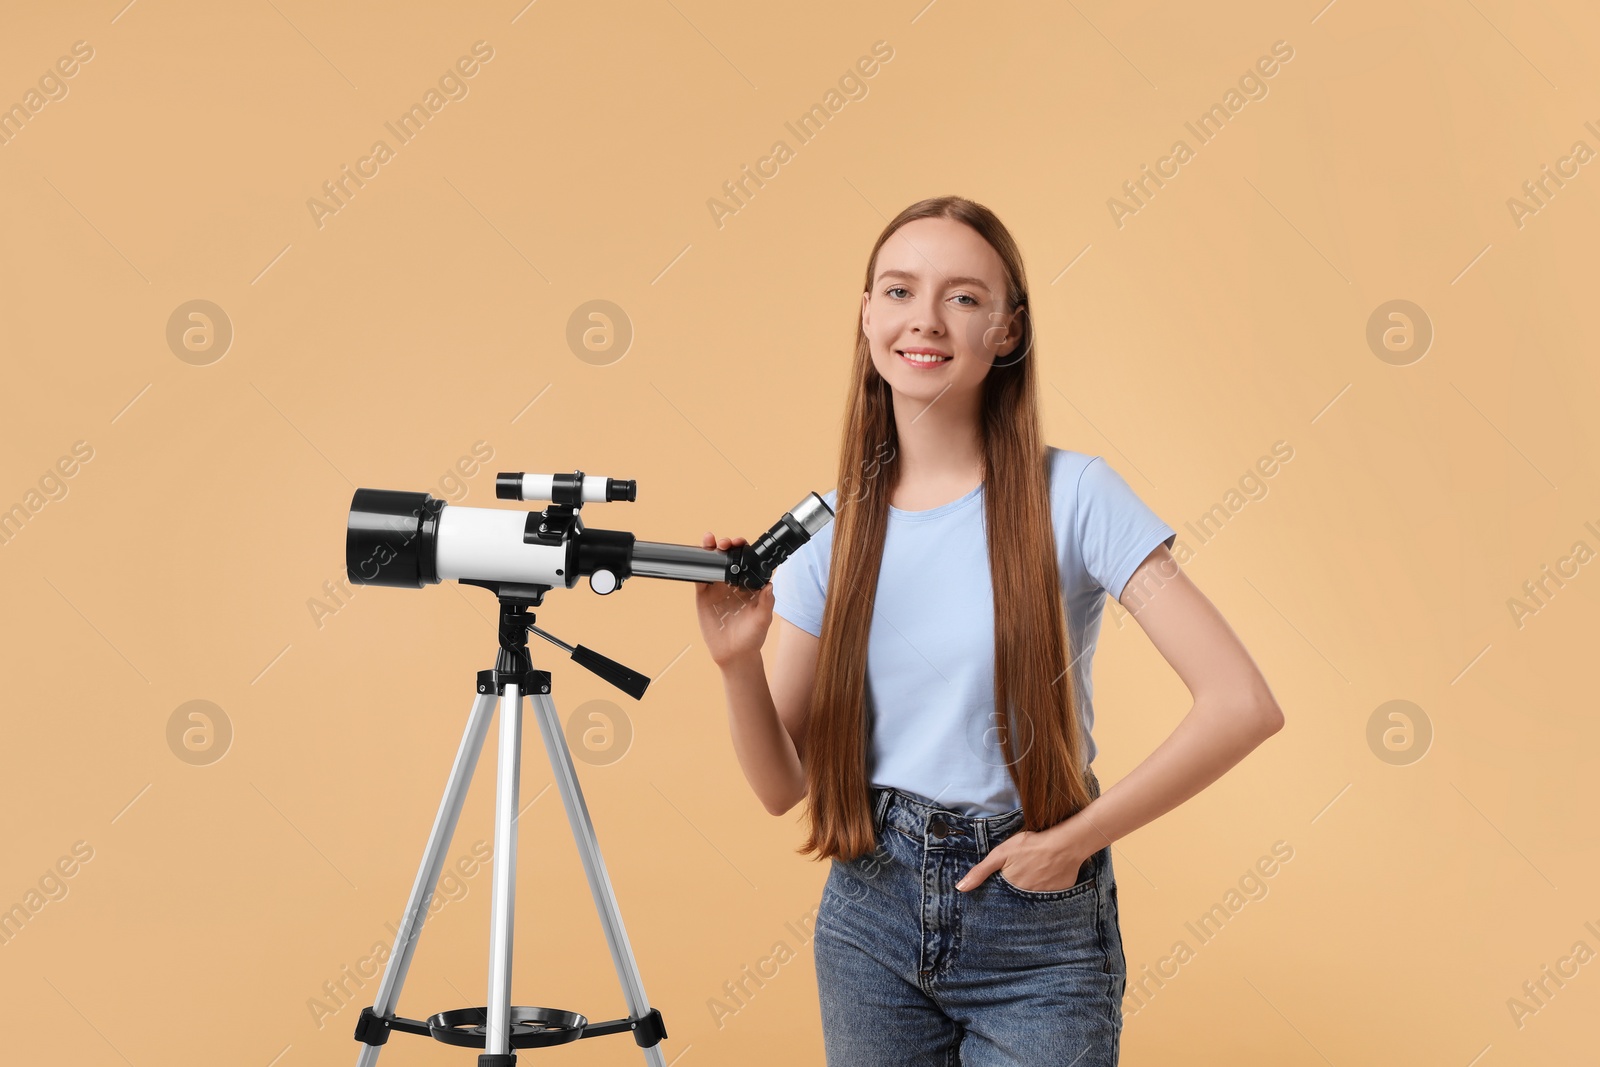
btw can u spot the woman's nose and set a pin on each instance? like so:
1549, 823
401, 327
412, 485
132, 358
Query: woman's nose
926, 320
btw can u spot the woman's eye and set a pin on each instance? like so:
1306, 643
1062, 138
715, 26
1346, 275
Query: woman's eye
894, 289
968, 297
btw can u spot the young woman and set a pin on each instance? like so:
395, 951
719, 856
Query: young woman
970, 913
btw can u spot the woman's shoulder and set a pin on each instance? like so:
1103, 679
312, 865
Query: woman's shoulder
1066, 469
1085, 489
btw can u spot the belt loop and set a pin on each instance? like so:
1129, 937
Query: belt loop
880, 808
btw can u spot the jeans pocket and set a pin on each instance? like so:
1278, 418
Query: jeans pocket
1088, 877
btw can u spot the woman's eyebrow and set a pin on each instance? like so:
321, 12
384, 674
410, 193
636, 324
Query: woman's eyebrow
958, 280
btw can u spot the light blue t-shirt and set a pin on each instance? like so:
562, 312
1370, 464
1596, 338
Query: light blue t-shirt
930, 651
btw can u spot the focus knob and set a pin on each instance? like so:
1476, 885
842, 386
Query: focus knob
603, 582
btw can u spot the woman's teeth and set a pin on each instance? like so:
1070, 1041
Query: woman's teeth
924, 360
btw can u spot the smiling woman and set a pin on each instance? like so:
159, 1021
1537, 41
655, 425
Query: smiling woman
930, 697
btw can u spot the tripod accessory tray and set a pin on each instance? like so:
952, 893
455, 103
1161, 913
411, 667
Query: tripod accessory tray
530, 1027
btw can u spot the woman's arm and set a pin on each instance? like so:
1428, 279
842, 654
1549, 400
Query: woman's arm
1233, 712
767, 721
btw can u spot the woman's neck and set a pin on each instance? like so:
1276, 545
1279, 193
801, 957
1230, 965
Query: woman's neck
939, 454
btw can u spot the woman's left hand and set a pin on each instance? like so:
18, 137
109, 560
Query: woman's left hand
1039, 862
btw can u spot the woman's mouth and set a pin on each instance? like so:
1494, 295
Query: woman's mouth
922, 360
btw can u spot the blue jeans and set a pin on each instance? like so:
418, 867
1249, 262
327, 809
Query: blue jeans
912, 971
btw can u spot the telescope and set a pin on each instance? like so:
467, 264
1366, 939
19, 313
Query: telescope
410, 540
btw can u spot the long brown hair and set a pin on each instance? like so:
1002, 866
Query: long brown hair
1043, 740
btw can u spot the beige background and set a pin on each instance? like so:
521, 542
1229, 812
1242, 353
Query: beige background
185, 559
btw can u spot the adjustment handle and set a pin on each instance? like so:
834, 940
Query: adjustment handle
624, 678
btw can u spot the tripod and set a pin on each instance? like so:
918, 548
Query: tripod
501, 1027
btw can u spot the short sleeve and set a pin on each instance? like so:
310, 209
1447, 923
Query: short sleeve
797, 589
1116, 529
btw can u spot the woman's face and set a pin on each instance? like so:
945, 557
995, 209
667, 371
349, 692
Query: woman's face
938, 288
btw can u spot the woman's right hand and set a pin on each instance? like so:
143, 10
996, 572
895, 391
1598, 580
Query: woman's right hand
733, 620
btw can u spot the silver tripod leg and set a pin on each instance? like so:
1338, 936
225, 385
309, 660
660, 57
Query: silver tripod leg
594, 866
497, 1031
444, 828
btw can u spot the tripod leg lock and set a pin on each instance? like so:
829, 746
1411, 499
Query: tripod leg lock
650, 1029
372, 1029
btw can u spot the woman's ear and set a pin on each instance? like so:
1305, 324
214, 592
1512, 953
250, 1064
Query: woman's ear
1008, 353
866, 303
1003, 331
